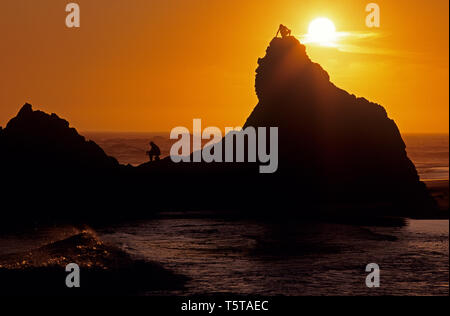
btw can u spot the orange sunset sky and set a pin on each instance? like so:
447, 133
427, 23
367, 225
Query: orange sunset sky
151, 65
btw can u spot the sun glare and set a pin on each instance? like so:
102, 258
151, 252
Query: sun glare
322, 31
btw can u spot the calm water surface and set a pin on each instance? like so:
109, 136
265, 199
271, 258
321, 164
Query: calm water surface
248, 257
293, 259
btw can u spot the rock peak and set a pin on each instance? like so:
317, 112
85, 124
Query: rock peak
41, 139
326, 135
286, 66
26, 109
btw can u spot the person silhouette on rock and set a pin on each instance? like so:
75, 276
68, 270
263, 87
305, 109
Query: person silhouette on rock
284, 31
154, 152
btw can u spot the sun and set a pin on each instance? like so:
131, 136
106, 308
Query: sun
322, 31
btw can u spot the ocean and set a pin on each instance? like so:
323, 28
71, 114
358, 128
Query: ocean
278, 258
247, 257
429, 152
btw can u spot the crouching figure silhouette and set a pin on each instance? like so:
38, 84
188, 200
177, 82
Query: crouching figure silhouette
154, 152
284, 31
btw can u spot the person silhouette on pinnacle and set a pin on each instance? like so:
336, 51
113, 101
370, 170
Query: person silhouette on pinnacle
284, 31
154, 152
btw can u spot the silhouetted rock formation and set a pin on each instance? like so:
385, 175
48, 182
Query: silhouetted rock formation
341, 144
49, 171
337, 153
38, 139
325, 133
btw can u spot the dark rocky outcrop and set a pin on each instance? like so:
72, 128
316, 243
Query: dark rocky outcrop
325, 133
34, 138
338, 154
49, 171
339, 143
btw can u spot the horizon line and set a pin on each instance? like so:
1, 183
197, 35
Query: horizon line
168, 132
